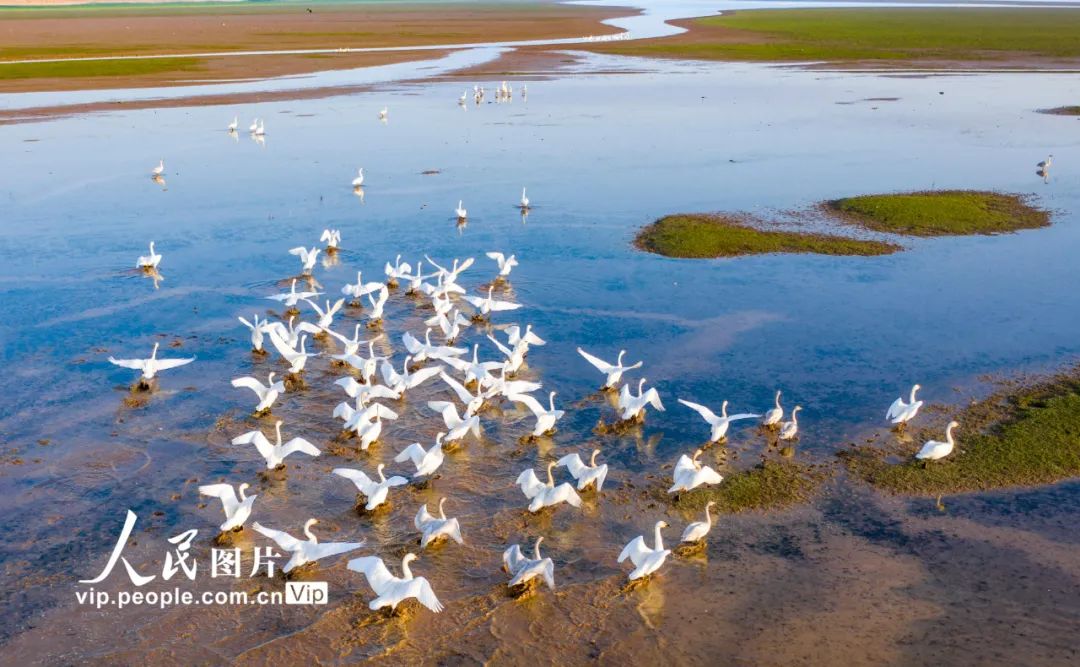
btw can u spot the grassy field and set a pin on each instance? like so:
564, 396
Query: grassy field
874, 34
100, 68
1025, 437
711, 236
940, 213
772, 484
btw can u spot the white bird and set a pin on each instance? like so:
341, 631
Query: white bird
613, 372
543, 495
275, 454
292, 297
545, 417
633, 407
150, 367
234, 124
258, 329
391, 590
326, 316
515, 357
450, 324
306, 551
406, 379
426, 461
476, 370
378, 303
254, 126
935, 449
585, 474
1045, 164
788, 430
515, 337
150, 261
463, 98
424, 351
696, 531
237, 510
719, 425
332, 238
487, 305
773, 415
434, 528
374, 492
500, 386
524, 203
523, 569
288, 333
307, 257
460, 211
297, 358
366, 392
351, 345
359, 180
267, 393
396, 271
451, 275
360, 288
383, 113
156, 171
261, 129
366, 421
900, 412
456, 427
689, 474
473, 402
645, 560
506, 264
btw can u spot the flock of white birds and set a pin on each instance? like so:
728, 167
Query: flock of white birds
474, 382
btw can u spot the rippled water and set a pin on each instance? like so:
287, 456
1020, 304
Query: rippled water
601, 155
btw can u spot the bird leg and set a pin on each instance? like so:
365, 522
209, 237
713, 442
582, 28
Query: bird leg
260, 353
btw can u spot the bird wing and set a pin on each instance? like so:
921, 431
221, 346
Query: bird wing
454, 531
249, 383
475, 301
390, 376
601, 476
573, 463
565, 493
503, 305
374, 570
636, 551
684, 463
411, 343
413, 452
513, 559
507, 352
743, 415
357, 477
530, 484
349, 384
653, 398
448, 411
308, 327
396, 480
299, 251
283, 347
266, 450
707, 414
530, 402
459, 389
283, 539
423, 516
224, 493
707, 476
327, 549
896, 408
549, 573
136, 364
382, 391
420, 589
384, 412
423, 375
166, 364
600, 364
497, 256
520, 387
344, 411
299, 445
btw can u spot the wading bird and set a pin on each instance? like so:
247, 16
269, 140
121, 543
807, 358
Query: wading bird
306, 551
645, 560
391, 590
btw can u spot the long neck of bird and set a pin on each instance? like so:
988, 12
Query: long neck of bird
382, 477
307, 531
913, 390
277, 429
777, 400
406, 573
551, 480
442, 515
708, 517
723, 409
536, 549
948, 434
659, 539
592, 461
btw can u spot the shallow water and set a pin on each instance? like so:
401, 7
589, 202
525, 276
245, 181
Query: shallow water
601, 155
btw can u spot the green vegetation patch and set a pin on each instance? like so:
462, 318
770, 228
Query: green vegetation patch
98, 68
708, 235
939, 213
882, 34
772, 484
1021, 437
